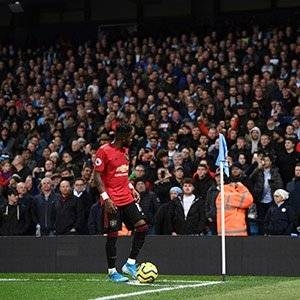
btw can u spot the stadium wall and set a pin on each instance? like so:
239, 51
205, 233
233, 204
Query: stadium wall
172, 255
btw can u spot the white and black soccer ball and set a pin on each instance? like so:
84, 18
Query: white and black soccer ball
147, 272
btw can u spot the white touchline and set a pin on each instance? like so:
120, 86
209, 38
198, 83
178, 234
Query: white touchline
30, 279
176, 287
51, 279
181, 281
14, 279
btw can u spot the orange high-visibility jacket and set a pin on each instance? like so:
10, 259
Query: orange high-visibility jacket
237, 200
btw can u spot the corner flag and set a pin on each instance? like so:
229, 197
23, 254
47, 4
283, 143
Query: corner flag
222, 154
224, 168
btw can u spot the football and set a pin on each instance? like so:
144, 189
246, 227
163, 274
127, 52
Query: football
147, 272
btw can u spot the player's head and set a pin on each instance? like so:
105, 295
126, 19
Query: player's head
123, 134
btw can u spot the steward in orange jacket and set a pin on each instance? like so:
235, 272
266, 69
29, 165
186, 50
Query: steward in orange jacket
237, 200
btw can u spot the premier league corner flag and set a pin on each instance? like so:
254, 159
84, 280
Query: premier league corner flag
224, 168
222, 154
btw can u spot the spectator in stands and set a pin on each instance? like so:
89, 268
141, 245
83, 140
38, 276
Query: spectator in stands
43, 207
20, 168
265, 180
178, 176
5, 173
14, 180
162, 221
280, 218
202, 181
187, 213
238, 175
287, 160
162, 185
69, 211
81, 195
293, 187
94, 222
255, 135
14, 217
149, 203
210, 205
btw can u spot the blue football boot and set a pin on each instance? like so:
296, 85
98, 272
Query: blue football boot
130, 270
117, 277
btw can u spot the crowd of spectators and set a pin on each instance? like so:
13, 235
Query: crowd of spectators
58, 104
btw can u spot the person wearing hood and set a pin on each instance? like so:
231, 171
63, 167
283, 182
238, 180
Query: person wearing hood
280, 218
255, 135
14, 217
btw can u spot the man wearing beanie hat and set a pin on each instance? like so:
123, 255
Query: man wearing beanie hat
255, 134
280, 218
175, 191
237, 175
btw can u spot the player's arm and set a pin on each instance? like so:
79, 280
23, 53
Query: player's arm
100, 164
108, 203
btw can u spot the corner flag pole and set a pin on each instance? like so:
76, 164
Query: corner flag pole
223, 164
223, 242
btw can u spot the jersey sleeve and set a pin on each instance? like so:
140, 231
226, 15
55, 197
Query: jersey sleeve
100, 161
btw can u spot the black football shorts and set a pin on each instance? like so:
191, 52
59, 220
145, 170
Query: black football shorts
128, 214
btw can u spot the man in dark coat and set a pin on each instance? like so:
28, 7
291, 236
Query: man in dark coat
82, 195
149, 203
188, 212
202, 181
287, 160
69, 211
43, 207
293, 187
95, 225
162, 221
210, 205
280, 218
265, 180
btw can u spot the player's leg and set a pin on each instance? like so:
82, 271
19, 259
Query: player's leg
136, 217
140, 231
112, 226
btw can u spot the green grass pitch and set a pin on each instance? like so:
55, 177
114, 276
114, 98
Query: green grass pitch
93, 286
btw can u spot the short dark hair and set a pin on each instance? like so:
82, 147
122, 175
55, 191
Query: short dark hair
203, 166
188, 181
123, 130
11, 191
269, 155
293, 140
